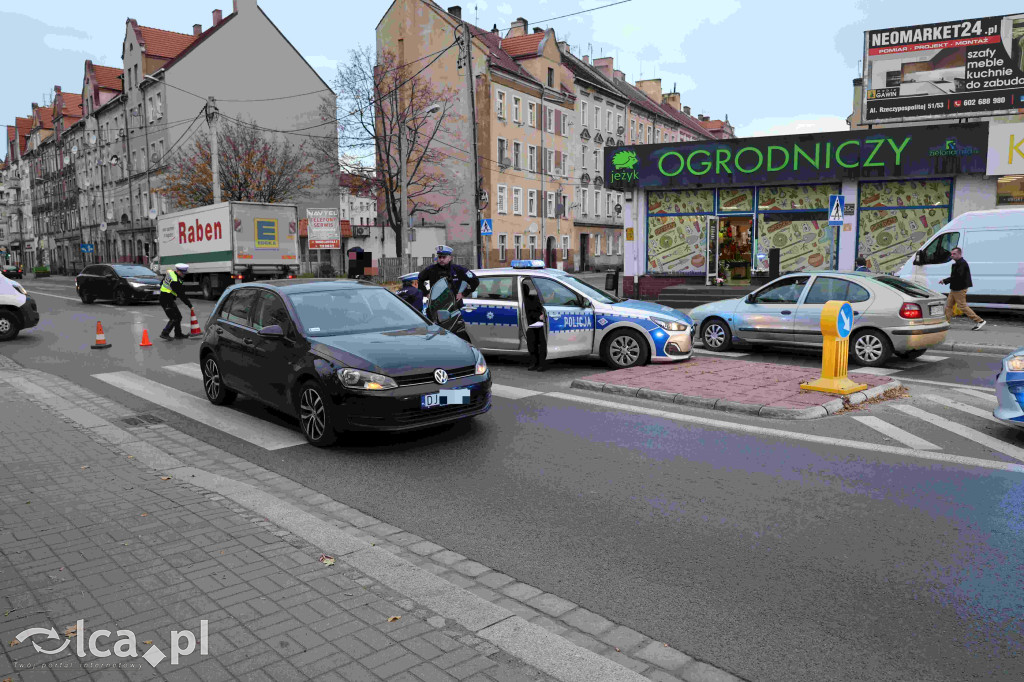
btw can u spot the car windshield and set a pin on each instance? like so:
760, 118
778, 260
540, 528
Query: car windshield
907, 287
352, 311
133, 271
593, 292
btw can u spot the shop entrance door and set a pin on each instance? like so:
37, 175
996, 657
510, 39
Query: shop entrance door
584, 262
735, 249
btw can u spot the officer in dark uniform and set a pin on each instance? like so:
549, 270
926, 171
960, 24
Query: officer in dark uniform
410, 293
444, 268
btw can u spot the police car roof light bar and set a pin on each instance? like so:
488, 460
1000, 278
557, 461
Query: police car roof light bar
531, 264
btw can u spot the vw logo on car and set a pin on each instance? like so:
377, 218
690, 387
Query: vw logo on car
441, 376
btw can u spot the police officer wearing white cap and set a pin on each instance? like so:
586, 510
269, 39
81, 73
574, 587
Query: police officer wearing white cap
410, 293
170, 290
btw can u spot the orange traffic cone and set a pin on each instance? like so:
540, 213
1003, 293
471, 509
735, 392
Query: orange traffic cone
101, 340
145, 339
196, 332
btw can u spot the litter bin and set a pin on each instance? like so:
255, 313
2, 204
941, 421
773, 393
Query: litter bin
611, 281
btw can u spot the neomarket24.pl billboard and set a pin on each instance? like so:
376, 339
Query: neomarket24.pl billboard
952, 69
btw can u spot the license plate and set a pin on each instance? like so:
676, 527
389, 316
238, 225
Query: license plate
455, 396
938, 310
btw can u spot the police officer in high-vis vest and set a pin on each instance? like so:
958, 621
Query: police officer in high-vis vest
170, 290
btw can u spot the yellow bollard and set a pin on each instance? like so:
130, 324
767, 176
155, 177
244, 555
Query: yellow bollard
836, 325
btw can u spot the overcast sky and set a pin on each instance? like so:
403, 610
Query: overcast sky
777, 66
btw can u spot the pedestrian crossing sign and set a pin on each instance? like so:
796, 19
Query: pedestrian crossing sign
836, 205
486, 227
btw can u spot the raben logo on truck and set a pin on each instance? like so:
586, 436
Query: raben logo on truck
198, 232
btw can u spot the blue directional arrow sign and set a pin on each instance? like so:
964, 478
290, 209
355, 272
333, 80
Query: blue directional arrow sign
844, 324
486, 227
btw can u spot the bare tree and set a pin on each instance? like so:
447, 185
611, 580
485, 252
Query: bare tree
379, 100
255, 165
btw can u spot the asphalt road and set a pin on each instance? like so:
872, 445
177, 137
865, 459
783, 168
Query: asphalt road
770, 557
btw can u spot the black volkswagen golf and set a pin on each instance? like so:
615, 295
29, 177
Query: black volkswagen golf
339, 355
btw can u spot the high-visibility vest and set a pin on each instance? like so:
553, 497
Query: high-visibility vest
165, 286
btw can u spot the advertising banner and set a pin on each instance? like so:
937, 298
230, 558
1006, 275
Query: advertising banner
323, 228
1005, 149
908, 152
802, 244
950, 69
896, 218
676, 244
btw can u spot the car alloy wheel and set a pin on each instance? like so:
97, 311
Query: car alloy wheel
871, 349
313, 416
121, 296
624, 350
86, 298
213, 384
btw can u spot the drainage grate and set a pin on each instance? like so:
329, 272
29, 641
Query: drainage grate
142, 420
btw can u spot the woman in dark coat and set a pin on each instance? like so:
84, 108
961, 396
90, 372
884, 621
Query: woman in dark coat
536, 339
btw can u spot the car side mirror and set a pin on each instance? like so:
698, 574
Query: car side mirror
273, 331
443, 316
918, 258
585, 303
749, 298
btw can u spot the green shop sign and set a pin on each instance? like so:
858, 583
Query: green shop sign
910, 152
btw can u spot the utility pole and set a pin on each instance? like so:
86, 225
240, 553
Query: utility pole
403, 152
127, 163
477, 237
211, 120
543, 168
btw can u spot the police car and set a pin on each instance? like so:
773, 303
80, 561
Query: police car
581, 320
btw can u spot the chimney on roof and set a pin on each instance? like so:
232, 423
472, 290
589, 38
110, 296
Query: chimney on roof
686, 110
605, 65
217, 16
672, 99
495, 30
586, 59
455, 11
563, 46
197, 29
520, 27
246, 5
56, 89
651, 87
619, 76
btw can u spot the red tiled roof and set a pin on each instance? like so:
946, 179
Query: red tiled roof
500, 58
522, 46
108, 77
688, 122
72, 106
24, 126
45, 118
197, 39
713, 125
165, 44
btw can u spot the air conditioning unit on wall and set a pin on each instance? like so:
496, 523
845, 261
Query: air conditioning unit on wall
361, 231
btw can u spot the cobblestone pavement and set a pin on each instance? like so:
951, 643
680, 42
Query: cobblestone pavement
99, 523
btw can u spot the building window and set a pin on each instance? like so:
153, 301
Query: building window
565, 125
502, 199
532, 114
502, 247
531, 158
583, 202
502, 150
551, 77
618, 245
584, 156
608, 248
151, 111
597, 244
597, 117
549, 119
159, 106
597, 162
517, 109
531, 202
583, 112
609, 126
517, 200
501, 104
565, 247
551, 204
517, 153
549, 161
517, 244
618, 123
657, 136
597, 203
532, 239
649, 134
610, 212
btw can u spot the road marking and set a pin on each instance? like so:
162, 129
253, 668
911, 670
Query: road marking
990, 399
726, 354
512, 392
947, 384
238, 424
879, 371
790, 435
896, 433
36, 292
961, 430
189, 369
969, 409
930, 358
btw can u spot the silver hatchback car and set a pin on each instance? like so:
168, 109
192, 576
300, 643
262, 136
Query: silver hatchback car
891, 315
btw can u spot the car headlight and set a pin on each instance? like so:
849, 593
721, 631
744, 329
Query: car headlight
481, 364
670, 325
20, 289
1015, 363
365, 381
136, 285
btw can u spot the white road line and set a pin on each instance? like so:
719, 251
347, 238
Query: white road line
512, 392
189, 369
727, 354
896, 433
969, 409
238, 424
931, 358
946, 384
990, 399
36, 292
880, 371
961, 430
789, 435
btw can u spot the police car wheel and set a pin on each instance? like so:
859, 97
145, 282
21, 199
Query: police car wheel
213, 383
871, 348
9, 326
314, 416
624, 349
716, 335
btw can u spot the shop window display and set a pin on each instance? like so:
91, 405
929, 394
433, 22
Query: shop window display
896, 218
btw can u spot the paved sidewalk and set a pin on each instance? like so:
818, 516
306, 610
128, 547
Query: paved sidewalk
756, 388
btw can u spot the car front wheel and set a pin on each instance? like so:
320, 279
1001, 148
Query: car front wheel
625, 349
213, 383
121, 296
716, 335
9, 325
871, 348
86, 298
315, 417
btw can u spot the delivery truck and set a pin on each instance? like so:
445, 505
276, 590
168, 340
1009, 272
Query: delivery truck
228, 243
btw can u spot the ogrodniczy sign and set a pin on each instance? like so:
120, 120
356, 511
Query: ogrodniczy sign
911, 152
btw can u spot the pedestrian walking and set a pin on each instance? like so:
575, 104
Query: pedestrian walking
862, 265
536, 336
959, 281
410, 293
170, 291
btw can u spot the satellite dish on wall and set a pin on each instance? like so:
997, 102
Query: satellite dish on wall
113, 160
92, 138
74, 150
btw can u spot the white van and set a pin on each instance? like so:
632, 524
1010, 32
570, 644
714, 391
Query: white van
993, 245
17, 309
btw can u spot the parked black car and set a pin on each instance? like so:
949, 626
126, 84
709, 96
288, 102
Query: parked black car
13, 271
339, 355
121, 283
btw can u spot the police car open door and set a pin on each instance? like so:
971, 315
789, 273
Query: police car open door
569, 319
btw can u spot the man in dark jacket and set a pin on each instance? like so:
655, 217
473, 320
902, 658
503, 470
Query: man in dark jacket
959, 281
444, 268
536, 338
410, 293
170, 291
